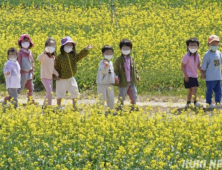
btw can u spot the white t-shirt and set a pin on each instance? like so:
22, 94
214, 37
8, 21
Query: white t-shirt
13, 80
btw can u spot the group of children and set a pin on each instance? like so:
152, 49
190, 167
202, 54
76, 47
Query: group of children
210, 70
19, 71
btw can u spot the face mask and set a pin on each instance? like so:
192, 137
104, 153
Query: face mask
192, 50
126, 52
108, 57
214, 48
25, 44
13, 58
50, 49
68, 49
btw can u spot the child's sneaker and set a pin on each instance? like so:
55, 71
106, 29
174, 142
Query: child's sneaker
219, 105
187, 105
119, 108
134, 108
197, 104
211, 106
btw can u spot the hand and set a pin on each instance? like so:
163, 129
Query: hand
57, 78
138, 78
203, 76
89, 47
116, 81
186, 78
106, 63
7, 73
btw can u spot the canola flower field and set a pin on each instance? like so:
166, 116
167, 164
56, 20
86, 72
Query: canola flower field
87, 139
158, 30
91, 140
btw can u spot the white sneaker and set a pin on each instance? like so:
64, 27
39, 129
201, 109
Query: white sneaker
211, 106
187, 105
197, 104
219, 105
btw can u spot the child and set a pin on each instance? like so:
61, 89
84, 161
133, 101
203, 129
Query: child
12, 77
106, 77
47, 59
211, 67
66, 65
25, 60
125, 69
190, 64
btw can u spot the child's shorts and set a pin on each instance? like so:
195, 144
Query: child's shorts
67, 85
193, 82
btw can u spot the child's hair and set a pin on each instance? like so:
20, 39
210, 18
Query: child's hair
106, 47
125, 42
12, 50
48, 41
192, 40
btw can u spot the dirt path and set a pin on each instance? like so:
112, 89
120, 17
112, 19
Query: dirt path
154, 102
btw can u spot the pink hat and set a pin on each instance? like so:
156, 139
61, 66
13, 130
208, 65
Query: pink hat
25, 36
213, 38
66, 40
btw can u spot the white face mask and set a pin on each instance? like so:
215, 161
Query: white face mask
13, 58
126, 52
108, 57
68, 49
50, 49
214, 48
192, 50
25, 44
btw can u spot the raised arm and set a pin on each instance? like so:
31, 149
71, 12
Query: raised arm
83, 53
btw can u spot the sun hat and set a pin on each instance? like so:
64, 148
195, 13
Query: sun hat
66, 40
25, 36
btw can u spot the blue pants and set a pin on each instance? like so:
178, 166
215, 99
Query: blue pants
213, 86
